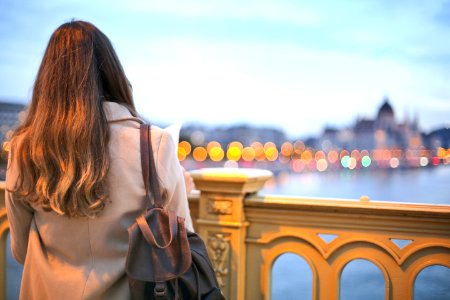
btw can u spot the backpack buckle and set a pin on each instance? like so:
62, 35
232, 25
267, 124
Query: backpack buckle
160, 290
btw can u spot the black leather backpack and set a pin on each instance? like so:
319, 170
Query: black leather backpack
166, 261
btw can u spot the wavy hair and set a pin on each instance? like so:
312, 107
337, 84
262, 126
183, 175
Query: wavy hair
61, 148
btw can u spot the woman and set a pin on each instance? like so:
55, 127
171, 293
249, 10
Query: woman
74, 182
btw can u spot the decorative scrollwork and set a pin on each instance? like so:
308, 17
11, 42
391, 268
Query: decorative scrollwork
220, 207
219, 249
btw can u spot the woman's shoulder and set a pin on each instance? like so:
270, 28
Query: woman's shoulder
161, 138
156, 130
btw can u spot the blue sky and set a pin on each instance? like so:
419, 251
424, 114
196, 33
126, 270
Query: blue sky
295, 65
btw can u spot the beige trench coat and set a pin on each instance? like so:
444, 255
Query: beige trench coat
84, 258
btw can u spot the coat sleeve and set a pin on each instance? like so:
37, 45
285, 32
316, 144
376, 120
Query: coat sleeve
172, 178
20, 215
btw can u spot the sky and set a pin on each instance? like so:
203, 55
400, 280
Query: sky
293, 65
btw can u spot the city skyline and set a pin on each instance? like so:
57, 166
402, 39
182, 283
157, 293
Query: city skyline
266, 63
345, 125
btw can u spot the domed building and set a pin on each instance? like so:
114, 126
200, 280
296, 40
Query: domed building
386, 117
383, 132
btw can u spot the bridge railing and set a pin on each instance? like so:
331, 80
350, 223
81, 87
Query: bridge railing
245, 233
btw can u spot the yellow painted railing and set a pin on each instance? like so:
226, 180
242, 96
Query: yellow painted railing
245, 233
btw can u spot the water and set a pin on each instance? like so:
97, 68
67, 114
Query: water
424, 185
361, 279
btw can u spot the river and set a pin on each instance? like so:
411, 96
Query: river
421, 185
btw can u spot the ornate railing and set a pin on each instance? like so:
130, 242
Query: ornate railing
245, 233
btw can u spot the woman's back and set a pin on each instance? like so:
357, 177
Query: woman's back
82, 257
71, 232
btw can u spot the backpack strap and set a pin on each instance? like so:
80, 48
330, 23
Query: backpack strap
170, 231
151, 182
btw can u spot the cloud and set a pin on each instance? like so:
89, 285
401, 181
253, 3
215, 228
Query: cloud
297, 87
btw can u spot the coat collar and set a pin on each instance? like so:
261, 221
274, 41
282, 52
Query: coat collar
115, 111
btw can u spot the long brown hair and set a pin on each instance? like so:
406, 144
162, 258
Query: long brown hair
61, 148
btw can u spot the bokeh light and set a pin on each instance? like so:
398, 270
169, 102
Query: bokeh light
269, 145
332, 156
231, 164
248, 154
186, 146
312, 165
344, 161
286, 149
366, 161
271, 153
197, 138
234, 153
377, 154
343, 153
423, 161
259, 151
211, 145
306, 156
435, 161
319, 155
181, 154
216, 153
236, 144
199, 153
351, 163
322, 164
386, 154
355, 154
297, 165
299, 147
394, 162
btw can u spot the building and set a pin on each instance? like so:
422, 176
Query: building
382, 132
438, 138
246, 134
9, 115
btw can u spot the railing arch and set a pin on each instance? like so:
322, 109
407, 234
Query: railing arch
384, 272
278, 247
378, 262
421, 264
